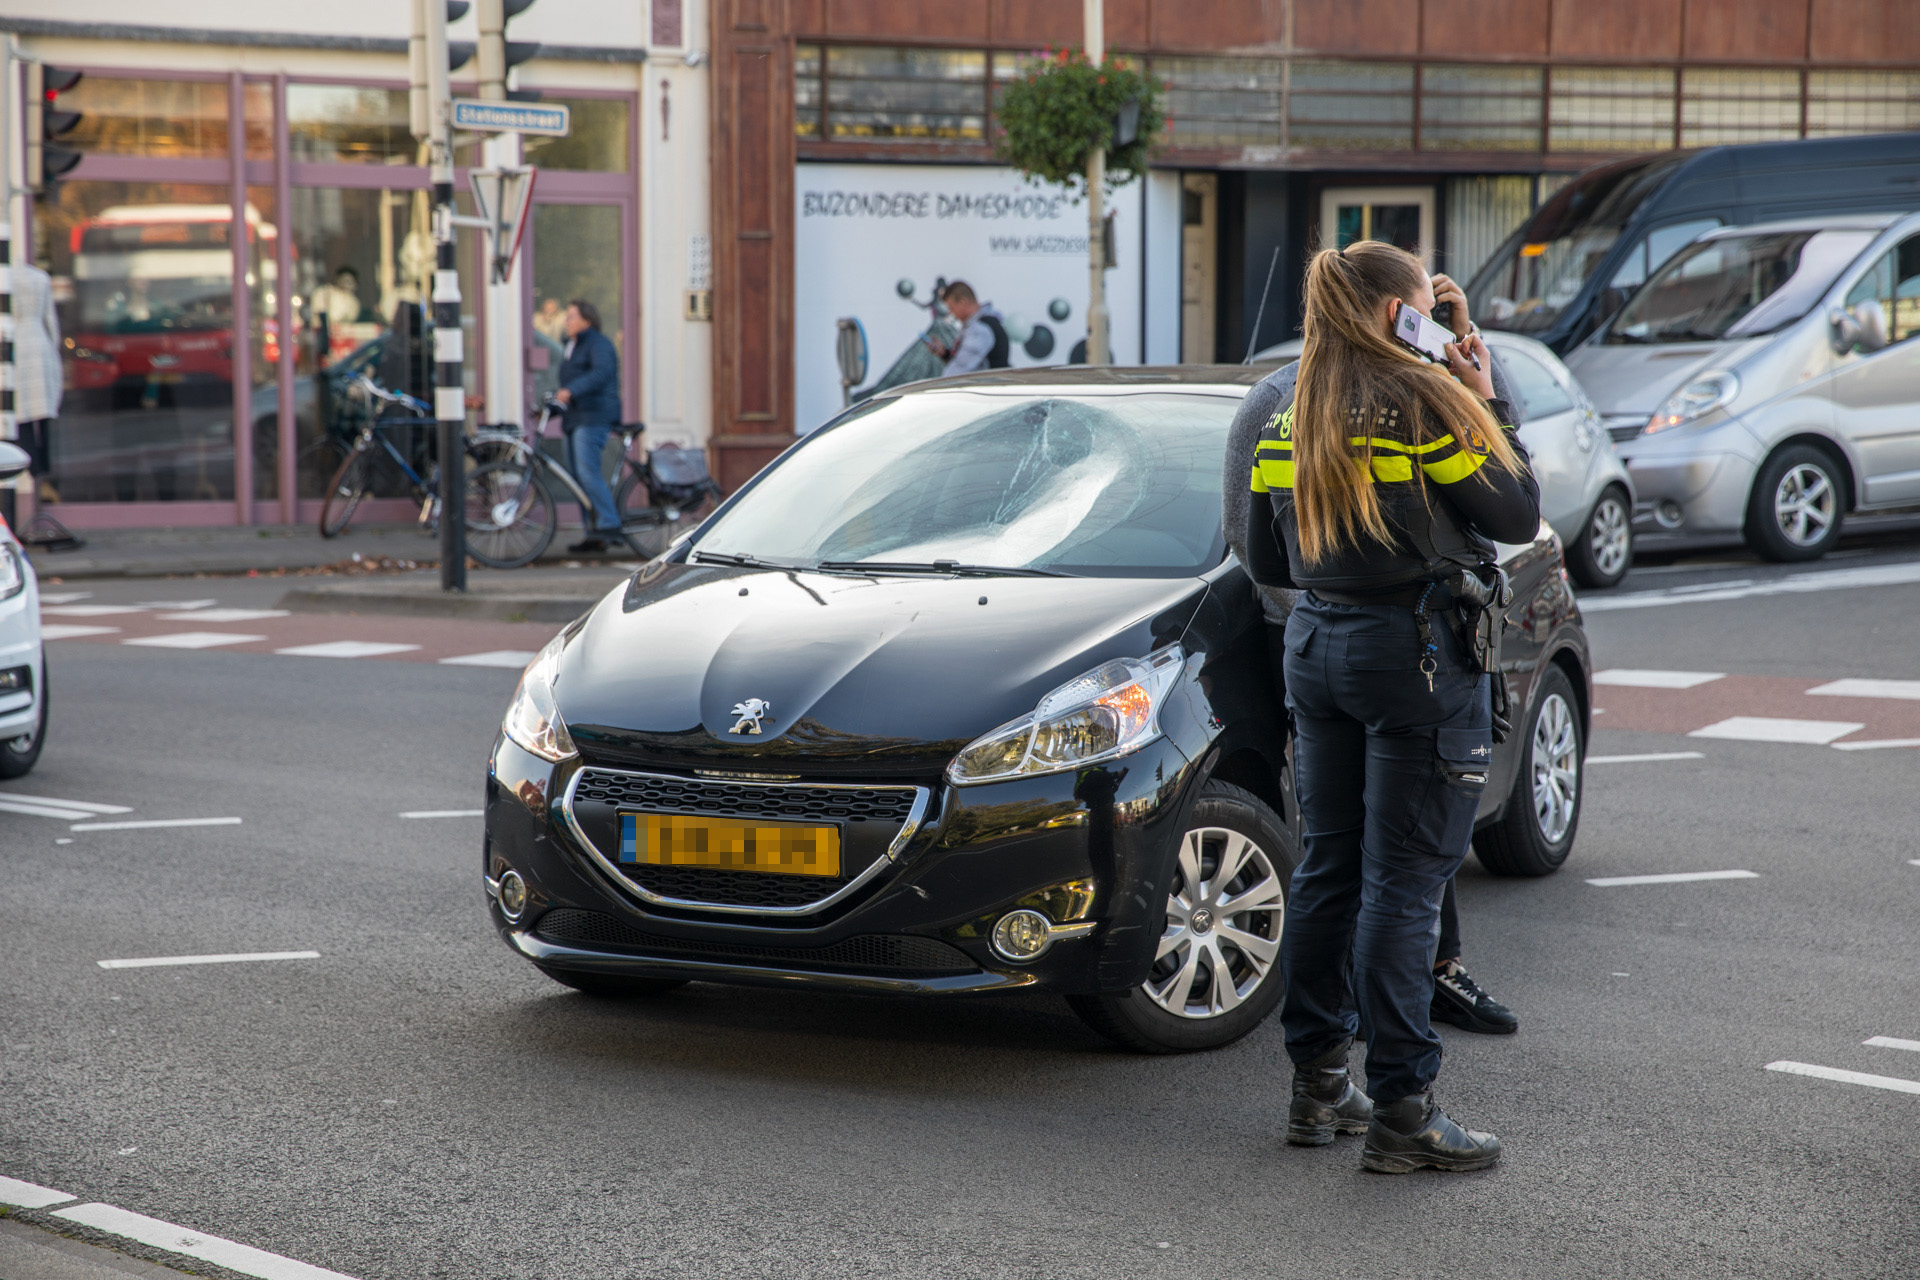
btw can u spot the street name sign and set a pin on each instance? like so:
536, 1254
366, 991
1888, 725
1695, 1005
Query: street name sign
488, 116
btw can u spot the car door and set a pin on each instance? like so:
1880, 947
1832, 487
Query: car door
1876, 392
1551, 418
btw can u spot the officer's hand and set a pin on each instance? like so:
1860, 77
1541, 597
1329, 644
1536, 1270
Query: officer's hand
1445, 291
1478, 381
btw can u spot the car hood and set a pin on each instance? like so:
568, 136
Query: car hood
1636, 378
887, 675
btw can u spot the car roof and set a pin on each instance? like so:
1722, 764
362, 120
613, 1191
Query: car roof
1812, 222
1223, 377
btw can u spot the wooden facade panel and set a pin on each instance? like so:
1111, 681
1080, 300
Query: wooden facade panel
1484, 28
1865, 31
1206, 26
756, 389
1620, 30
809, 17
1747, 30
752, 168
1383, 28
1038, 23
963, 22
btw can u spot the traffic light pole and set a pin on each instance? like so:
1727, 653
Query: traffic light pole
449, 393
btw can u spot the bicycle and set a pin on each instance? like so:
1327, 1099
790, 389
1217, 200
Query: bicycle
354, 477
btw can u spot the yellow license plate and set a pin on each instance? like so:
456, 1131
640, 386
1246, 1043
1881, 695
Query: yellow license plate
732, 844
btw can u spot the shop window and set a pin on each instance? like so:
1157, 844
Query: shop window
1611, 109
1846, 102
1743, 104
169, 119
1351, 106
1222, 102
143, 282
350, 124
1480, 108
806, 90
599, 140
914, 95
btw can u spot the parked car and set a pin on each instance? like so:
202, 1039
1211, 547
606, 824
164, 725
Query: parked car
1766, 382
962, 693
23, 658
1586, 493
1577, 260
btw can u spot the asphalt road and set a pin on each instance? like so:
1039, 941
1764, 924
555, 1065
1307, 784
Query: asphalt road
417, 1102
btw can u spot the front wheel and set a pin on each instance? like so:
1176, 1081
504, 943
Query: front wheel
510, 514
1535, 834
21, 752
1602, 554
1216, 967
607, 986
349, 485
1795, 510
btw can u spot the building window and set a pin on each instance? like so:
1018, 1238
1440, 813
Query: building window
1744, 104
806, 90
164, 119
600, 139
1611, 109
1351, 106
1844, 102
1482, 212
1480, 108
350, 124
1222, 102
910, 95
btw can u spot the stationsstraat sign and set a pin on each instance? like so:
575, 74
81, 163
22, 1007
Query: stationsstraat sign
860, 229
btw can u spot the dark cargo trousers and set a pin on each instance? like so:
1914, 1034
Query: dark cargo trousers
1388, 774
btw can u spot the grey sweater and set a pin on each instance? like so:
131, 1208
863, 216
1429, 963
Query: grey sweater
1255, 411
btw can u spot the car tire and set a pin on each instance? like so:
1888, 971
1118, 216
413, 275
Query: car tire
606, 986
1603, 552
1535, 834
21, 752
1797, 505
1226, 822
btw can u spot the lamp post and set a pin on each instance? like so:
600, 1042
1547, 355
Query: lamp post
1094, 20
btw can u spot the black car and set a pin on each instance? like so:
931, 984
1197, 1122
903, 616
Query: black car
963, 693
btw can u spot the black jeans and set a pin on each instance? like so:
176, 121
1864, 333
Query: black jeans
1388, 774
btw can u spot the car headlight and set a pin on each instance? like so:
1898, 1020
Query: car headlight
13, 573
1695, 400
1107, 712
533, 718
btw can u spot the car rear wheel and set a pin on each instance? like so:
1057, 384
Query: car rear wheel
607, 986
1535, 834
1602, 554
21, 752
1216, 968
1794, 512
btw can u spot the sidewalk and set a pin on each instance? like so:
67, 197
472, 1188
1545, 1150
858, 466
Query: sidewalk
539, 593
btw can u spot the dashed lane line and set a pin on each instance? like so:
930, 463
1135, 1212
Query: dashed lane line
88, 805
1886, 575
193, 640
1894, 1083
92, 610
175, 604
1673, 877
1876, 744
1635, 678
445, 813
43, 811
245, 1259
27, 1195
1775, 729
62, 631
64, 597
1648, 758
1888, 1042
224, 615
513, 658
158, 962
155, 822
1856, 688
346, 649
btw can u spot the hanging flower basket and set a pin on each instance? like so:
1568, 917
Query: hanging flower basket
1053, 117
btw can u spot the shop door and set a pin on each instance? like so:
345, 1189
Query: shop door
1401, 216
1199, 265
575, 253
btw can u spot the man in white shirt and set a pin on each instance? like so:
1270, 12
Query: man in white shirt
983, 340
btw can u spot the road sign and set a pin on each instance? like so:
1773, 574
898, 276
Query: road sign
501, 199
490, 116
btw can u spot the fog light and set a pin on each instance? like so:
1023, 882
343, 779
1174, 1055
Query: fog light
513, 895
1668, 515
1021, 935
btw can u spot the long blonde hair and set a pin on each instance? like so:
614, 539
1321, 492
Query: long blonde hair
1348, 365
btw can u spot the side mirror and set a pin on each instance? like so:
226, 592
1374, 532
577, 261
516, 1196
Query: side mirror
850, 350
1873, 324
13, 459
1843, 331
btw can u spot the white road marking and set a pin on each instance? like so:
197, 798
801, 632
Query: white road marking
155, 962
43, 811
1847, 1077
1888, 1042
514, 658
1876, 744
1885, 575
193, 640
445, 813
59, 632
245, 1259
64, 597
93, 610
26, 1195
1673, 877
1649, 758
1909, 689
224, 615
345, 649
1710, 586
178, 604
1766, 729
1914, 861
1631, 678
156, 822
88, 805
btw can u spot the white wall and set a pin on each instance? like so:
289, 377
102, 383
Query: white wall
1161, 282
675, 210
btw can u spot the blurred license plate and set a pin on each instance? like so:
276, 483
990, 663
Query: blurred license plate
732, 844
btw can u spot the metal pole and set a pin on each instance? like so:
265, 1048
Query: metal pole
449, 393
1096, 33
9, 429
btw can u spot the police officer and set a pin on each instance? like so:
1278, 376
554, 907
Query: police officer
1379, 486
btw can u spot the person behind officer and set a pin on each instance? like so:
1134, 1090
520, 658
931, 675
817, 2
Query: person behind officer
983, 342
1378, 482
590, 393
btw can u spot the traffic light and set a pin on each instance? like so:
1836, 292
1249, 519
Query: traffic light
499, 55
419, 110
47, 162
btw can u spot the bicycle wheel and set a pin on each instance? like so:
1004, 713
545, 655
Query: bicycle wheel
344, 492
510, 515
650, 529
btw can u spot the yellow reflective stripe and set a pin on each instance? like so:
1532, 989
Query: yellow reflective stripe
1393, 468
1454, 469
1280, 446
1361, 442
1274, 473
1259, 485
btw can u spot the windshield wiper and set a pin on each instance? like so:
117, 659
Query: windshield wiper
728, 557
938, 566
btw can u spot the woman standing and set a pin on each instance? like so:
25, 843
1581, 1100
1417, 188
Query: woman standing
1380, 479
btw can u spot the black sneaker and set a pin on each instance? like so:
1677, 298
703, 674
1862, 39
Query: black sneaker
1414, 1133
1458, 999
1325, 1101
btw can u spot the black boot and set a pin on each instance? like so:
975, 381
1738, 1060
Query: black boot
1414, 1133
1325, 1101
1458, 999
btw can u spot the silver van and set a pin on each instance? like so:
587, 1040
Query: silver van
1764, 381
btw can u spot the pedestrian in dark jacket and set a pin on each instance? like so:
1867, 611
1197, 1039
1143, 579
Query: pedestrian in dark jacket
590, 392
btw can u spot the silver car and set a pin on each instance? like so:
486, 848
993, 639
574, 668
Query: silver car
1763, 381
1586, 495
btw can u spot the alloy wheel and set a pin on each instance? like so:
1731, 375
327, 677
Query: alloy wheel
1607, 536
1804, 504
1556, 769
1224, 916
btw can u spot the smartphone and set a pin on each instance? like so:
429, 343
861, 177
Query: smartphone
1421, 335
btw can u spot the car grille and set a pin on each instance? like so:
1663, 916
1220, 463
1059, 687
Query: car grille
735, 888
1626, 431
874, 952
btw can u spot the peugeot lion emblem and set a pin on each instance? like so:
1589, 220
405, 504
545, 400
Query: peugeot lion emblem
750, 712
